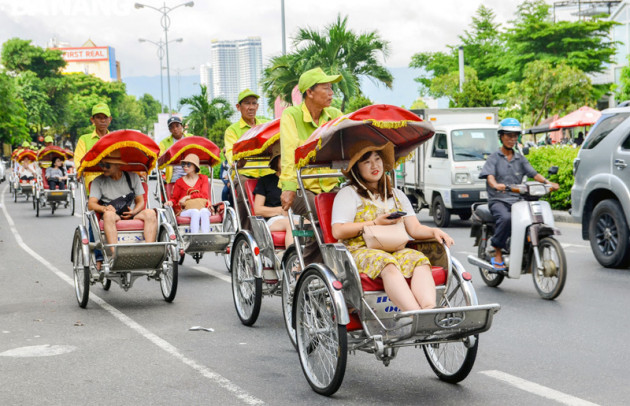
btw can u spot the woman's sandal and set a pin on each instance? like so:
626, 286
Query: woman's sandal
498, 266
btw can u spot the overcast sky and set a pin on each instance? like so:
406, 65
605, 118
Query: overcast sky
409, 25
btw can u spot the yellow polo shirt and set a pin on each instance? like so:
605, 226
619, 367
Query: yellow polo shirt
296, 125
165, 144
232, 134
84, 144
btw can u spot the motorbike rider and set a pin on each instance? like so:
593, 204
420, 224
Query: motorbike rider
506, 167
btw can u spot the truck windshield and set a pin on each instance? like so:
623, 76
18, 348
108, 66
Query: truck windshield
474, 144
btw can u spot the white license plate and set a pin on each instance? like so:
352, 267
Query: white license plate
483, 195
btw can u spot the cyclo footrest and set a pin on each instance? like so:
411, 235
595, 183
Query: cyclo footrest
450, 322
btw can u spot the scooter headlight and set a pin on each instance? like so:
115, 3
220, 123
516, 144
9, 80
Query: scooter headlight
537, 190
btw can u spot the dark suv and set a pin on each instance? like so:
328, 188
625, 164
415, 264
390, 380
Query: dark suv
601, 191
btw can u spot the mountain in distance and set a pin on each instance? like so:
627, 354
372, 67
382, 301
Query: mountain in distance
403, 93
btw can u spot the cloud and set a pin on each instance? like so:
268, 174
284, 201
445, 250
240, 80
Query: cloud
409, 25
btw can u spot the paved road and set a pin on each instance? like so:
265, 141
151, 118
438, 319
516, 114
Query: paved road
133, 348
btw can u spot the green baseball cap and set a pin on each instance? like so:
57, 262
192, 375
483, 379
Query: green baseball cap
314, 77
49, 139
101, 108
246, 93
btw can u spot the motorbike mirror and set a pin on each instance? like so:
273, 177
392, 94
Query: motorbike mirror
553, 170
526, 151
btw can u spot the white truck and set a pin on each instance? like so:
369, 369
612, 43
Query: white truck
443, 173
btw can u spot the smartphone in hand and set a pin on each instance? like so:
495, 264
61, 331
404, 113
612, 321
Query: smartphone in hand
396, 214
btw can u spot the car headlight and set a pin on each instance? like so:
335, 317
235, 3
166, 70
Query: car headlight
462, 178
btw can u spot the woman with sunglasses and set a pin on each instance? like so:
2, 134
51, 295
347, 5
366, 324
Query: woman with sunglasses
193, 185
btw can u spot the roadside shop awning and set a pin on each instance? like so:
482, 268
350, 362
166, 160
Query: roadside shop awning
584, 116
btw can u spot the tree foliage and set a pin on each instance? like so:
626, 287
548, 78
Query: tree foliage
546, 89
204, 114
499, 61
13, 114
338, 50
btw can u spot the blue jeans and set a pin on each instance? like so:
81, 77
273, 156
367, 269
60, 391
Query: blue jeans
98, 254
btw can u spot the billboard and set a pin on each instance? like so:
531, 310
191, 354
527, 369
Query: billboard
85, 54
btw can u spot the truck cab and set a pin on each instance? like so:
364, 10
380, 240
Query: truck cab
443, 173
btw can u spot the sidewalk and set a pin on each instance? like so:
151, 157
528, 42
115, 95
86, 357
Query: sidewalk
564, 217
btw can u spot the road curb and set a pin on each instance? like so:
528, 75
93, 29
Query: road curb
564, 217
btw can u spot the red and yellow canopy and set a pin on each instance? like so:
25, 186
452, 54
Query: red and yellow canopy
380, 124
257, 141
207, 151
27, 153
50, 152
138, 150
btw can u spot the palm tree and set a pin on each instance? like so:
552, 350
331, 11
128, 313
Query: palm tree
204, 114
337, 50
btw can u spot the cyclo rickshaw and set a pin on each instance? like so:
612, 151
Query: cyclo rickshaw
261, 264
23, 187
336, 310
131, 257
222, 225
43, 195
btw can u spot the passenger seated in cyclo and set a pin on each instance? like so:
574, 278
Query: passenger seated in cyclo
190, 196
27, 170
267, 201
56, 174
363, 204
119, 195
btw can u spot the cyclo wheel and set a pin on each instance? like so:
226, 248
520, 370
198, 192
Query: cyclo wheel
81, 272
168, 278
322, 343
453, 361
288, 284
229, 225
36, 207
491, 279
246, 288
72, 211
107, 283
549, 281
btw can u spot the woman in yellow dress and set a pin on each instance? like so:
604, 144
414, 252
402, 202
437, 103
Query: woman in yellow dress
370, 199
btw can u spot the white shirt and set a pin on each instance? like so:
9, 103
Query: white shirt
348, 201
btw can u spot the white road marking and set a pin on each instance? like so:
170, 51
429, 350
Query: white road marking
581, 246
212, 272
161, 343
45, 350
537, 389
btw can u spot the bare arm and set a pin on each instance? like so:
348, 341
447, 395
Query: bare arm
419, 232
344, 231
261, 210
494, 184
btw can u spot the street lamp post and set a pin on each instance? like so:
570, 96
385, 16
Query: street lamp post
160, 44
165, 21
178, 71
284, 41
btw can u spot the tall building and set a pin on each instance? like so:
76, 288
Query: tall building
205, 77
234, 66
89, 59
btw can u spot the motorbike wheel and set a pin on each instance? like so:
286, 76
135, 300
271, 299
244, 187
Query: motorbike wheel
489, 278
441, 215
550, 280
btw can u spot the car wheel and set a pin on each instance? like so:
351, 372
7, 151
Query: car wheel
608, 233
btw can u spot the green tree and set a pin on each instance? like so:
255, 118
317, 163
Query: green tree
13, 115
357, 102
418, 104
475, 93
150, 110
546, 89
204, 114
18, 55
216, 133
338, 50
281, 76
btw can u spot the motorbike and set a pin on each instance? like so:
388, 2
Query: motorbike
532, 245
